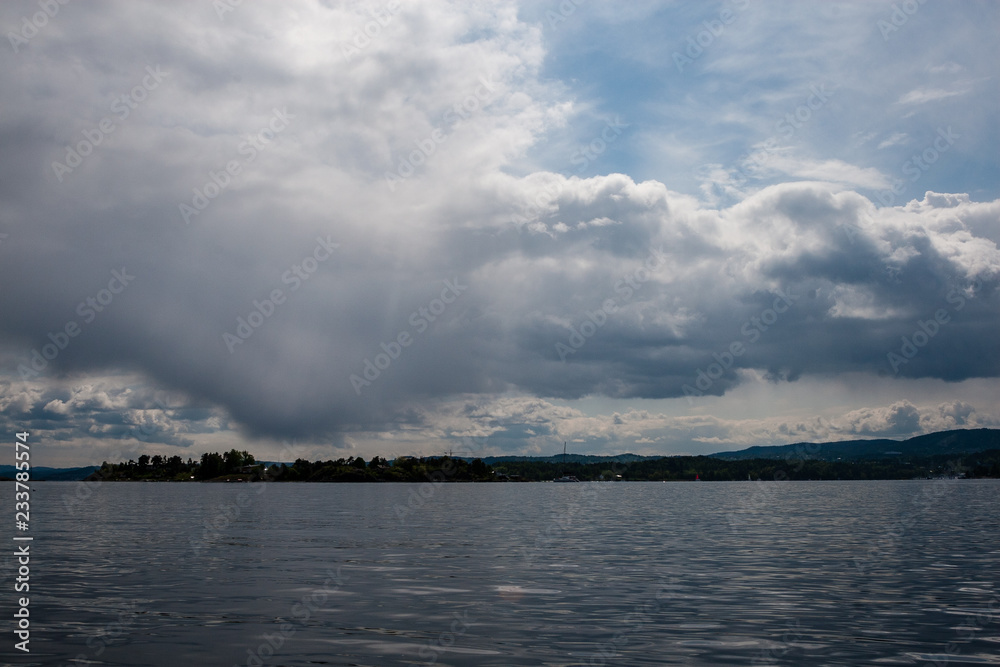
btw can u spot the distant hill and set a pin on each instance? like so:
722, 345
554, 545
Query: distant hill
966, 441
42, 474
568, 458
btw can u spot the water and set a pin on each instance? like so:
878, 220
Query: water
832, 573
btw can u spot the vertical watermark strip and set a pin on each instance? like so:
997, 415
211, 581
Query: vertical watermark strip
22, 517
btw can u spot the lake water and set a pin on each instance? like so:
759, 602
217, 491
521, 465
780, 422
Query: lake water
795, 573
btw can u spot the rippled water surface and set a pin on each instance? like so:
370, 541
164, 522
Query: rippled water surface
831, 573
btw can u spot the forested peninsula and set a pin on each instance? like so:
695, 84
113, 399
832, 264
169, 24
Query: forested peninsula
241, 466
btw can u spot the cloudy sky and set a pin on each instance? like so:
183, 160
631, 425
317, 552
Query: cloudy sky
324, 228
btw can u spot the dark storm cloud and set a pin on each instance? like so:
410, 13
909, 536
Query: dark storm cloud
799, 279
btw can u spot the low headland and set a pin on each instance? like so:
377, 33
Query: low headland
973, 453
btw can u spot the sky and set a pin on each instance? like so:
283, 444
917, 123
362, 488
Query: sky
329, 229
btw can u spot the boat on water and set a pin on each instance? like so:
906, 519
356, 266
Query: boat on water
565, 477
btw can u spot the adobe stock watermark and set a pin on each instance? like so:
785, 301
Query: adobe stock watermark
121, 107
752, 330
84, 490
795, 120
447, 638
364, 36
426, 147
223, 7
919, 163
420, 320
763, 495
301, 612
112, 632
637, 619
899, 16
420, 496
264, 309
928, 497
698, 42
892, 273
926, 330
219, 181
786, 127
30, 27
37, 361
585, 496
540, 201
566, 9
584, 156
980, 618
627, 286
227, 514
789, 641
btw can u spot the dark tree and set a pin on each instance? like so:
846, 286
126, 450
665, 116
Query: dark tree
212, 465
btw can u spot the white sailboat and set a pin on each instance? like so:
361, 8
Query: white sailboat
565, 477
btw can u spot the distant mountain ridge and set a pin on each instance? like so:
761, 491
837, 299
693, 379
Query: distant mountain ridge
962, 441
959, 441
568, 458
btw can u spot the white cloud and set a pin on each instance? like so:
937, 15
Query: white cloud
899, 419
946, 68
895, 139
832, 171
925, 95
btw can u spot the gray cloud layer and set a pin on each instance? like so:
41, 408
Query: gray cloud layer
485, 279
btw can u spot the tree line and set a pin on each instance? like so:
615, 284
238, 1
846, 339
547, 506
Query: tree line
237, 465
242, 466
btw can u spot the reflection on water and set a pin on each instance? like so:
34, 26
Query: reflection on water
834, 573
